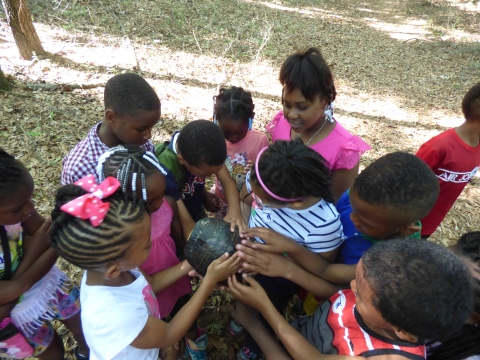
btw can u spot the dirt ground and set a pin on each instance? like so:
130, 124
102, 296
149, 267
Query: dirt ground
401, 69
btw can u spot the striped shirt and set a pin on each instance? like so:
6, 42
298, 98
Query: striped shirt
83, 158
337, 328
318, 227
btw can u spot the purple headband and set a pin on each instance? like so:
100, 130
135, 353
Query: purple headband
264, 186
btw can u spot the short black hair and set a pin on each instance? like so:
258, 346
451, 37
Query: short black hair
129, 93
471, 103
201, 142
90, 247
401, 183
233, 103
12, 174
468, 246
418, 286
290, 169
308, 71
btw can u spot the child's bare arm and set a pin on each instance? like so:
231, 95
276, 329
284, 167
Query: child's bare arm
185, 219
277, 265
234, 216
12, 289
342, 180
158, 334
175, 228
297, 346
34, 246
310, 261
164, 278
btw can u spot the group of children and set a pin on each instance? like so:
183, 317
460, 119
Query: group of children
311, 225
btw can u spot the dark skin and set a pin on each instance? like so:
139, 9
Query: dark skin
234, 130
127, 129
38, 259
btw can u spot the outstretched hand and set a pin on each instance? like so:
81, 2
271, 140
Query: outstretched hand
257, 261
236, 220
275, 242
251, 293
222, 268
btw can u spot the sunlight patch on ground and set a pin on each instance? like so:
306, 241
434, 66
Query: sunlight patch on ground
310, 11
416, 29
470, 6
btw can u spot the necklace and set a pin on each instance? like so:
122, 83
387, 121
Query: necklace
321, 127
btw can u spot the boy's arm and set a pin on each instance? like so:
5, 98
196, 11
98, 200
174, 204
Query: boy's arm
310, 261
297, 346
185, 219
175, 227
234, 216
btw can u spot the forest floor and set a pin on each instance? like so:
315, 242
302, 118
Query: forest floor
401, 69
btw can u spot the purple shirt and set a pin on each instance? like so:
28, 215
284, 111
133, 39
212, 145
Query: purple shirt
83, 158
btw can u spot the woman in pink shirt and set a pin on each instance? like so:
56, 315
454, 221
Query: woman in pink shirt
308, 95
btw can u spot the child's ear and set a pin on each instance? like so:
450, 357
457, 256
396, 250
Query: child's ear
403, 335
180, 158
409, 229
111, 117
113, 270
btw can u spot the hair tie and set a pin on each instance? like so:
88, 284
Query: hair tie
104, 157
264, 187
90, 206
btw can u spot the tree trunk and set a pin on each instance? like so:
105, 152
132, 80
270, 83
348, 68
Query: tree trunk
20, 21
4, 84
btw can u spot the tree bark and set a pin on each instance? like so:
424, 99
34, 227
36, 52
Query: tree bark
4, 84
20, 21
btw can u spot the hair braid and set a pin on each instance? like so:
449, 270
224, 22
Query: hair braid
12, 174
87, 246
233, 103
130, 164
290, 169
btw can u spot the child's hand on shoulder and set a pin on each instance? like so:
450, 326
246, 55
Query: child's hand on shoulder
212, 202
40, 240
275, 242
222, 268
250, 293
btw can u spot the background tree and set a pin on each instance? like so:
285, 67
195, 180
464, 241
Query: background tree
20, 21
4, 84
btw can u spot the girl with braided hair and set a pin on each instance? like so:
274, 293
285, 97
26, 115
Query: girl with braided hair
33, 291
293, 203
142, 177
307, 99
233, 112
101, 230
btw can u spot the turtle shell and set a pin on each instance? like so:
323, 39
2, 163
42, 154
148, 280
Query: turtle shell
210, 239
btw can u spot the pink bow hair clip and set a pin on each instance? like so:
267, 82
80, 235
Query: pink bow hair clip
90, 206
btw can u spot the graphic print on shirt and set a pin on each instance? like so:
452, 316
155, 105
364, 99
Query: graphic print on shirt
456, 177
150, 301
189, 188
236, 167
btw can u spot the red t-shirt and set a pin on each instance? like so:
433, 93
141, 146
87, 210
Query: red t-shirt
455, 164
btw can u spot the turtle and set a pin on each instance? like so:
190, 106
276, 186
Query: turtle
210, 239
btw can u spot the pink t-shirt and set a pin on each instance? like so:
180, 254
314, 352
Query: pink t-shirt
341, 149
238, 155
163, 256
